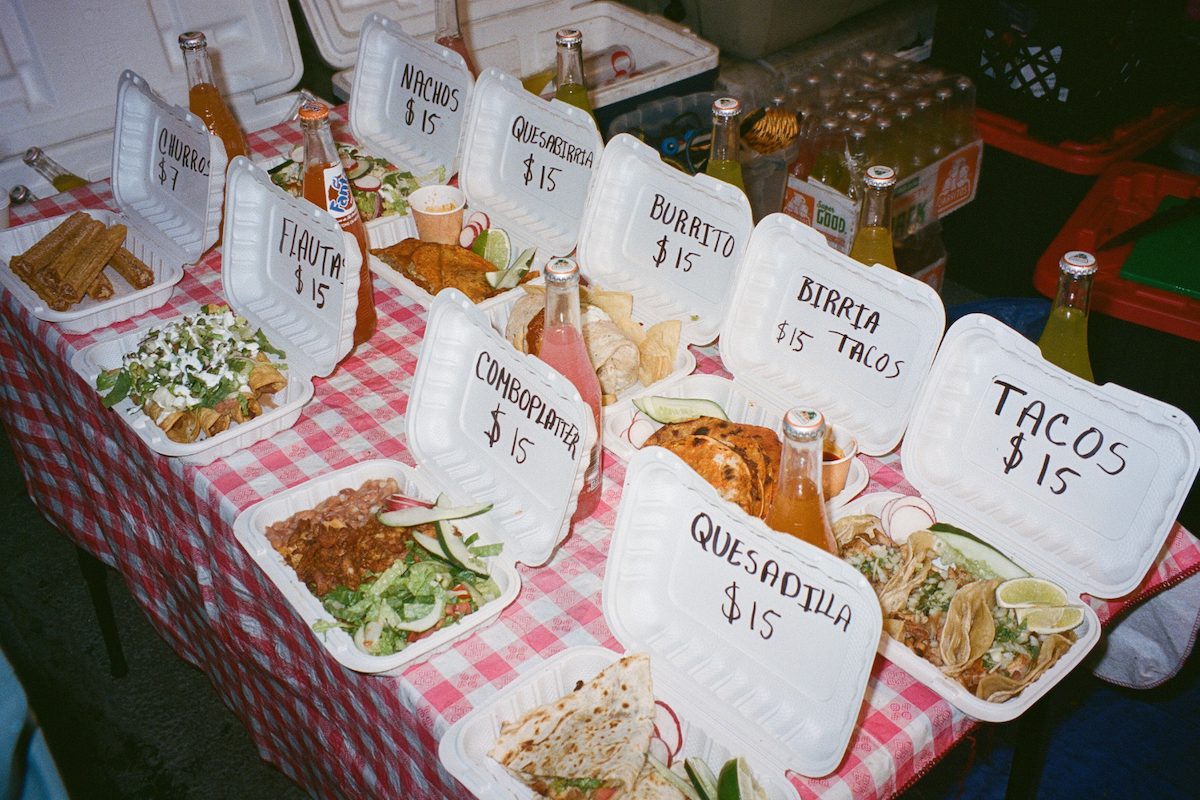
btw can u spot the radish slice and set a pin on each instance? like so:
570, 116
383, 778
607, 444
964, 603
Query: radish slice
396, 502
368, 183
298, 154
909, 515
479, 218
673, 740
467, 237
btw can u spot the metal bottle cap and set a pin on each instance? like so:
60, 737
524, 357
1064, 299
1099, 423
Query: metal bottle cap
192, 40
313, 110
32, 155
20, 194
1078, 262
569, 36
562, 270
727, 107
879, 176
804, 424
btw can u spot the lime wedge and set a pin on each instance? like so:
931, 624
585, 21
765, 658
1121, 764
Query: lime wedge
1043, 619
1030, 592
737, 782
494, 245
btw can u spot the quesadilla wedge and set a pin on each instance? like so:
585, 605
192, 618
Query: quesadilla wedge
589, 744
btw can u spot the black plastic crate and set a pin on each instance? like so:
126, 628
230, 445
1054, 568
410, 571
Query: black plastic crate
1069, 70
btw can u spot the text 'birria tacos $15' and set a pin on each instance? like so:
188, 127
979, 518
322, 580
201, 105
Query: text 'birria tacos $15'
590, 744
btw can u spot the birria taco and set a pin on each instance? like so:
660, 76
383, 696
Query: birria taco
947, 614
589, 744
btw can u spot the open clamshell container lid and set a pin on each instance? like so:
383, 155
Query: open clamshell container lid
290, 269
810, 325
763, 643
410, 98
168, 172
671, 240
1077, 483
528, 164
500, 426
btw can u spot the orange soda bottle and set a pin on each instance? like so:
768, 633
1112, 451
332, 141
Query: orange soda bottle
325, 186
798, 508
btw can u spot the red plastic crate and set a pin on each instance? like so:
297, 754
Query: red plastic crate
1124, 195
1126, 141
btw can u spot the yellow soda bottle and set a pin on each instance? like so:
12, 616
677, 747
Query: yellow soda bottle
723, 161
1064, 339
873, 239
569, 44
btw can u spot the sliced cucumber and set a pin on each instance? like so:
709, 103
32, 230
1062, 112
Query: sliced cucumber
456, 549
431, 544
410, 517
510, 277
360, 168
967, 551
702, 778
426, 622
670, 777
678, 409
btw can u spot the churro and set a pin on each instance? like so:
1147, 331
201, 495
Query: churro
131, 268
76, 282
101, 288
48, 247
75, 249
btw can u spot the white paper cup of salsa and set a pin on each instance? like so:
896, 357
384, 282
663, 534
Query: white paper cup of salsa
438, 212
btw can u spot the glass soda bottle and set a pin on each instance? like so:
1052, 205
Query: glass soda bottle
873, 239
569, 61
799, 505
449, 34
61, 178
20, 194
325, 186
204, 99
563, 349
1064, 339
723, 160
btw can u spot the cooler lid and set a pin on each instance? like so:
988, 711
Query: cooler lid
500, 425
810, 325
528, 163
58, 64
335, 24
168, 172
671, 240
764, 642
289, 268
1075, 482
409, 99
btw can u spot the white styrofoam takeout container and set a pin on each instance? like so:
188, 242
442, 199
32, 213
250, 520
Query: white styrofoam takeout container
59, 70
450, 412
1101, 475
527, 188
810, 326
626, 429
172, 214
250, 529
315, 328
498, 425
739, 687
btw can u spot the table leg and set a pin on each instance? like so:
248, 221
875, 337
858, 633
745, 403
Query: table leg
1029, 752
97, 581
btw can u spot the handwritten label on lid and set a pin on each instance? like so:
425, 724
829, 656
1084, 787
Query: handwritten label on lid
548, 161
770, 636
671, 235
181, 161
811, 327
315, 257
409, 101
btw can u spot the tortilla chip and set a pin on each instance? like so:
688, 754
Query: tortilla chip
617, 305
658, 351
969, 628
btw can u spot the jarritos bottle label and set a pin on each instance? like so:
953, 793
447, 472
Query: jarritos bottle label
339, 201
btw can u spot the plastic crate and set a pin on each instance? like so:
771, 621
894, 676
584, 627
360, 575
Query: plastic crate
1069, 70
1125, 194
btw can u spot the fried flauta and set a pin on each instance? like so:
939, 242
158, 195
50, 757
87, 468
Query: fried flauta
46, 249
131, 268
75, 283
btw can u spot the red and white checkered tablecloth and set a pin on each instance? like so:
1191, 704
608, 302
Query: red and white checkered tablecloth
167, 529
